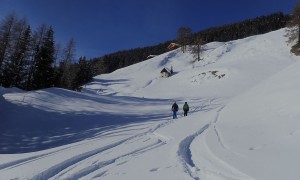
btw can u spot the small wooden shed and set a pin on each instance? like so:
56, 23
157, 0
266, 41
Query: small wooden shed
165, 72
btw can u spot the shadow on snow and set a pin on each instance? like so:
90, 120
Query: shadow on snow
25, 128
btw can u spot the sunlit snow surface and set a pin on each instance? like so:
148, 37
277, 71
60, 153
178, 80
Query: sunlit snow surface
244, 119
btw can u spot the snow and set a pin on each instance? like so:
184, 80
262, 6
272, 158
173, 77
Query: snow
243, 121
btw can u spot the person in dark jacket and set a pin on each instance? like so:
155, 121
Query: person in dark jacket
175, 109
186, 109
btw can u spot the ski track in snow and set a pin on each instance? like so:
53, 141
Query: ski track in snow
63, 170
76, 168
16, 163
58, 171
184, 151
186, 155
216, 129
98, 165
20, 162
76, 159
54, 170
219, 136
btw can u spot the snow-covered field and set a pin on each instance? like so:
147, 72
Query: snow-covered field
244, 119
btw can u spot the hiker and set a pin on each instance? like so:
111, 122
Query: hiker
186, 109
175, 109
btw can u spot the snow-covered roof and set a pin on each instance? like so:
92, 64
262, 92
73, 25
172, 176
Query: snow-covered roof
167, 70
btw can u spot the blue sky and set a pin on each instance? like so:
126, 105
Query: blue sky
100, 27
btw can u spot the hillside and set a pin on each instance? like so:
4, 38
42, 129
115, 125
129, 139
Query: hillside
245, 63
224, 33
242, 122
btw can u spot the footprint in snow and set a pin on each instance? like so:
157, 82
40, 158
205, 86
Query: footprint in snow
154, 169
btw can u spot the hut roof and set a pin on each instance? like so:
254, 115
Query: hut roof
165, 70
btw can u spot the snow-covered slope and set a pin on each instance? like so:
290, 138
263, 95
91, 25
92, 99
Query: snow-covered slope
243, 119
265, 131
244, 63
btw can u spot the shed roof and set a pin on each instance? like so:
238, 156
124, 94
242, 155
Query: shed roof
165, 70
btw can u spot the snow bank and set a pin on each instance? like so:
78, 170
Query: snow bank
262, 126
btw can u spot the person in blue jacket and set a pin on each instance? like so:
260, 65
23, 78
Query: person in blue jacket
175, 109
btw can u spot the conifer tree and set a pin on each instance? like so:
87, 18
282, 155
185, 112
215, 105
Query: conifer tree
14, 69
6, 36
84, 73
35, 47
43, 75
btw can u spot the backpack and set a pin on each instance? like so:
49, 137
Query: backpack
186, 107
175, 106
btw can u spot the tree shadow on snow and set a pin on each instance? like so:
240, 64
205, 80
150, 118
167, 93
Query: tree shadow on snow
108, 82
27, 129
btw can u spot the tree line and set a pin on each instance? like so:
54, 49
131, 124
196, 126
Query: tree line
30, 59
256, 26
229, 32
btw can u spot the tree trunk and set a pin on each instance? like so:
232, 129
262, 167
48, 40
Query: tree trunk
298, 42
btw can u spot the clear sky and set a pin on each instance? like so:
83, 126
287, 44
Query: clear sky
100, 27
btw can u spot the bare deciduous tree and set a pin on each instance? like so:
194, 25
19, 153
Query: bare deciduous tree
183, 37
293, 32
197, 48
68, 58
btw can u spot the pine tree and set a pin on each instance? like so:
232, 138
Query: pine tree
6, 36
43, 76
84, 73
14, 68
22, 59
35, 47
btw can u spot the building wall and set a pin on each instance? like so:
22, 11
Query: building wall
164, 74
